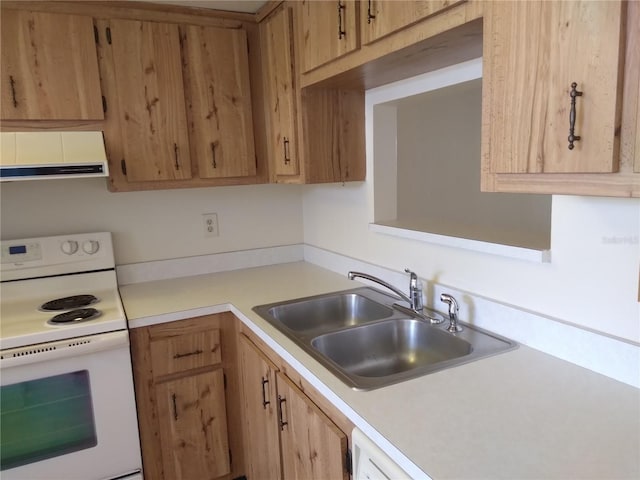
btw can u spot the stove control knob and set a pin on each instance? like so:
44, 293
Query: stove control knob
69, 247
90, 247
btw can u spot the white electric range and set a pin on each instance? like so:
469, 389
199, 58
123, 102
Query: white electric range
67, 400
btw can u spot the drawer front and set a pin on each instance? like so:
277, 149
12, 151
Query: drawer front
185, 352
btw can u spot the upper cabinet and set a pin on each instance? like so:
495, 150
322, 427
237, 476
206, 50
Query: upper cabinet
329, 31
276, 35
218, 93
560, 90
179, 105
536, 53
315, 135
151, 113
379, 18
49, 67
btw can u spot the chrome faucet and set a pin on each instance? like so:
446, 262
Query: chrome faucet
453, 313
416, 305
379, 281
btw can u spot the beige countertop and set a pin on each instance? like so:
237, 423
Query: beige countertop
520, 414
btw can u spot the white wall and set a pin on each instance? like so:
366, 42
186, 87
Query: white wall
438, 147
154, 225
592, 280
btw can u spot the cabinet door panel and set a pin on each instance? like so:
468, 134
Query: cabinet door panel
536, 50
149, 89
278, 64
322, 23
216, 67
382, 17
193, 427
313, 447
261, 434
49, 67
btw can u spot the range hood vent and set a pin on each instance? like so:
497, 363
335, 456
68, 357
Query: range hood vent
42, 155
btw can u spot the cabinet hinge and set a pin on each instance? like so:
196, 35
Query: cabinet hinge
123, 166
347, 462
104, 104
108, 32
95, 34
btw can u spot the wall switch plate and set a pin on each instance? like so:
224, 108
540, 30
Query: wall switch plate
210, 224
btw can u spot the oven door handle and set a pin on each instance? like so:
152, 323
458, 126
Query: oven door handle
45, 352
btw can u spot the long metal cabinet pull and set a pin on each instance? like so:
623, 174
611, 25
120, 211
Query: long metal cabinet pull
341, 32
175, 153
282, 423
265, 402
175, 407
188, 354
287, 157
13, 91
370, 16
213, 155
572, 115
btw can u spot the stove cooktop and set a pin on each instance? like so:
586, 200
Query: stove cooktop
70, 278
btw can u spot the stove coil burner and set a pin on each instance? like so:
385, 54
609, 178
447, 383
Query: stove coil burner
68, 303
75, 316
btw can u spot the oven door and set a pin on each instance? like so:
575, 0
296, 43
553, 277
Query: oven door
68, 410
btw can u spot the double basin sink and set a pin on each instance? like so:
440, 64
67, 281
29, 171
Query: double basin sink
365, 341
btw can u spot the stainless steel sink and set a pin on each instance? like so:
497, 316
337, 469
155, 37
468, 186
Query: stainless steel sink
391, 347
360, 337
329, 312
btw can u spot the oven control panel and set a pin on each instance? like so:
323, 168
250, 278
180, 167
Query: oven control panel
44, 256
22, 252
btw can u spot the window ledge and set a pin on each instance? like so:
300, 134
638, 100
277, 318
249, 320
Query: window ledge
531, 250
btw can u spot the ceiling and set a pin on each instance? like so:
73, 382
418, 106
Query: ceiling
246, 6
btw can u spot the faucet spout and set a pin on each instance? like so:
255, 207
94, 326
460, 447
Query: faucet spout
379, 281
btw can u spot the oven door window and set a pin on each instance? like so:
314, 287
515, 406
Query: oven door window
45, 418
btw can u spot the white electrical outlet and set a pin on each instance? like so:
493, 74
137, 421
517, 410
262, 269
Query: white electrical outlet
210, 224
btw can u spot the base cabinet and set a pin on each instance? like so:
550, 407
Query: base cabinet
193, 425
182, 393
286, 434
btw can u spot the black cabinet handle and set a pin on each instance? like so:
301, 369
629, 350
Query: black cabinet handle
370, 16
188, 354
175, 407
265, 402
572, 115
213, 155
175, 153
281, 422
287, 157
12, 82
341, 32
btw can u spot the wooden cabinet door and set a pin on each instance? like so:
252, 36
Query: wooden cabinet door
218, 92
261, 433
49, 67
277, 40
535, 50
313, 447
193, 427
329, 30
149, 90
379, 18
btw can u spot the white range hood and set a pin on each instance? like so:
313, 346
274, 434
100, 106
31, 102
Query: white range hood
40, 155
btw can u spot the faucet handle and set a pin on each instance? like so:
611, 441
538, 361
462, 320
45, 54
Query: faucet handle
415, 291
414, 277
